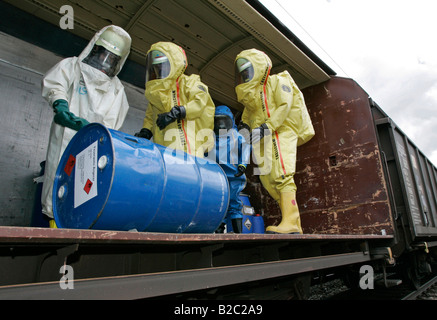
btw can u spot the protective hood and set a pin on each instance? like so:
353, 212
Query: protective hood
261, 64
225, 111
124, 53
176, 56
159, 91
261, 67
177, 89
223, 121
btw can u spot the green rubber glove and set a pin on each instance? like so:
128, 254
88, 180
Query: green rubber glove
65, 118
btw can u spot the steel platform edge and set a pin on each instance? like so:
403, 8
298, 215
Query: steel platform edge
47, 235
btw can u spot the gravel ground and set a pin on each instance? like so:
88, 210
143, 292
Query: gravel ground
327, 289
430, 294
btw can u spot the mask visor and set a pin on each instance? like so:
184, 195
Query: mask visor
244, 71
103, 60
157, 66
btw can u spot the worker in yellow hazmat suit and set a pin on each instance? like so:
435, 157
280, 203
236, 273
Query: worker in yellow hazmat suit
180, 114
84, 89
278, 120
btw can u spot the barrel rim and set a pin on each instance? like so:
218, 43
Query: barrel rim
67, 151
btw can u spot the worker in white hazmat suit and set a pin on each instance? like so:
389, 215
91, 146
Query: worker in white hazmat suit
81, 90
277, 116
180, 114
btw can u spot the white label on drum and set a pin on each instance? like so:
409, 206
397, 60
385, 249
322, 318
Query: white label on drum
85, 178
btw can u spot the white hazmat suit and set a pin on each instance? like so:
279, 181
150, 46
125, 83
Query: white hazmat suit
91, 95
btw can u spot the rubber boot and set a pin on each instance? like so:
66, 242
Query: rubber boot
237, 225
52, 224
290, 222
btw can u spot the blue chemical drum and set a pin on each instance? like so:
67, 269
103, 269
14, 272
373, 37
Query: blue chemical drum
258, 224
251, 223
109, 180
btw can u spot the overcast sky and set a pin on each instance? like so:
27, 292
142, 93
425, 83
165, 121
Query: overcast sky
388, 47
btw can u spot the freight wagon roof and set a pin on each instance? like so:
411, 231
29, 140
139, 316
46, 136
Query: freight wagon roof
212, 32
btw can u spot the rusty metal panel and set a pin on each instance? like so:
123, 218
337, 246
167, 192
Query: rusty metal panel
339, 173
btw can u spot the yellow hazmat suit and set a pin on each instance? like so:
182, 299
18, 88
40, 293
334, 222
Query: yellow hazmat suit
192, 130
90, 94
275, 103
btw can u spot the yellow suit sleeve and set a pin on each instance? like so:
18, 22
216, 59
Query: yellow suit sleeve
197, 97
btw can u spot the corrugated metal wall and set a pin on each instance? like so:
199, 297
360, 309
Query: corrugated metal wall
413, 180
25, 123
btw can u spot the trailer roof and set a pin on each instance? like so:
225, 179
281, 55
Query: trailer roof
212, 32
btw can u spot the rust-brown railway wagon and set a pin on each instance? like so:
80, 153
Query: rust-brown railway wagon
367, 195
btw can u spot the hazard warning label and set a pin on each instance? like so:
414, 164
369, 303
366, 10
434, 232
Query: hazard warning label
85, 176
88, 186
248, 224
70, 165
